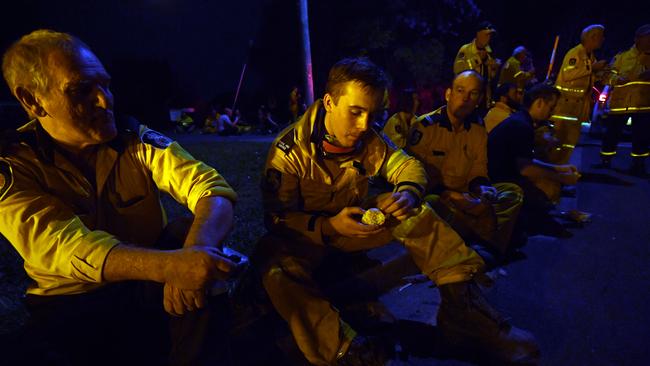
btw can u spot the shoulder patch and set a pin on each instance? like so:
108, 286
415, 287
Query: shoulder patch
156, 139
272, 180
286, 142
415, 137
6, 178
572, 61
461, 54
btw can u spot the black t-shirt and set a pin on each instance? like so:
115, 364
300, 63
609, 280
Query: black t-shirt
511, 139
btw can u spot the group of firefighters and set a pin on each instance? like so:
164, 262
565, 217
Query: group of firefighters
79, 200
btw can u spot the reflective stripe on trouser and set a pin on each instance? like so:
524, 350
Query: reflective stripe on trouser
568, 116
493, 225
315, 324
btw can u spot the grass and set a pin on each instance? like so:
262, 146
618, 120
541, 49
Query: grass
241, 163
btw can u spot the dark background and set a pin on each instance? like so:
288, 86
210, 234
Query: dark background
189, 53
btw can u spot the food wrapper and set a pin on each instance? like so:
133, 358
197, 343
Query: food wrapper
373, 216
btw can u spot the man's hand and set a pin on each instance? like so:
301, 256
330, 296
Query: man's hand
196, 267
177, 301
399, 205
488, 193
345, 224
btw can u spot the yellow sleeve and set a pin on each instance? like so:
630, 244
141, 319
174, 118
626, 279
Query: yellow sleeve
573, 67
46, 233
176, 172
404, 171
462, 62
282, 202
394, 130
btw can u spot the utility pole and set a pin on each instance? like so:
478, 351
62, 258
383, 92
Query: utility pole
306, 49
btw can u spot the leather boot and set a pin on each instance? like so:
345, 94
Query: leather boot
467, 321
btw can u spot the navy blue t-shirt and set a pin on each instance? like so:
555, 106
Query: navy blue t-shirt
511, 139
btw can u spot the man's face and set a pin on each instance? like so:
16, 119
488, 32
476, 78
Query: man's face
483, 38
464, 96
516, 95
349, 118
78, 102
596, 40
544, 109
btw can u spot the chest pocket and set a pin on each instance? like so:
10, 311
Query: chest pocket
456, 166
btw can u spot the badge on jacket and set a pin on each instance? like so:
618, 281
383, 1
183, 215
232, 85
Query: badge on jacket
156, 139
572, 61
6, 178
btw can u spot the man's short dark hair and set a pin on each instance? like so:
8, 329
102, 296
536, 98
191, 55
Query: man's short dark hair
503, 90
540, 91
361, 70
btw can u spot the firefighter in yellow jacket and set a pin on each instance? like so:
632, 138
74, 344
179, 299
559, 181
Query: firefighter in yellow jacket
631, 66
477, 55
452, 144
79, 201
315, 185
575, 80
518, 69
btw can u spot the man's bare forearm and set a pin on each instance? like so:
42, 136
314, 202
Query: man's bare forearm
126, 262
213, 219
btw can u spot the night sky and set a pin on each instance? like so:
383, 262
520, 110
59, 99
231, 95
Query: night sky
176, 53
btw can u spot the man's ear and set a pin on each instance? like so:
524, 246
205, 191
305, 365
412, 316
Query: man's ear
328, 102
29, 102
447, 94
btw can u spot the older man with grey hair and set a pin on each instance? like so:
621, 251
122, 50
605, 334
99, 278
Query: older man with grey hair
80, 203
575, 80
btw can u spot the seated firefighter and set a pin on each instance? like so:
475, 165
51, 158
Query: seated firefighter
79, 201
452, 144
314, 191
511, 156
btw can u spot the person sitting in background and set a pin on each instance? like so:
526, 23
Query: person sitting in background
226, 124
511, 147
508, 99
185, 124
452, 144
399, 124
266, 124
211, 122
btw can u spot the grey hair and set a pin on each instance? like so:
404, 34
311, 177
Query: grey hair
591, 29
25, 61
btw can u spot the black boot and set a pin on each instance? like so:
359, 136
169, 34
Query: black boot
365, 351
467, 321
605, 161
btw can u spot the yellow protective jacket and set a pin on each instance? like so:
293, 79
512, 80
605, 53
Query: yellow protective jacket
630, 64
574, 82
468, 58
576, 77
397, 127
301, 186
64, 226
453, 160
511, 73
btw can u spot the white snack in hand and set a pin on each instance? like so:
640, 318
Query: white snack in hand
373, 216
